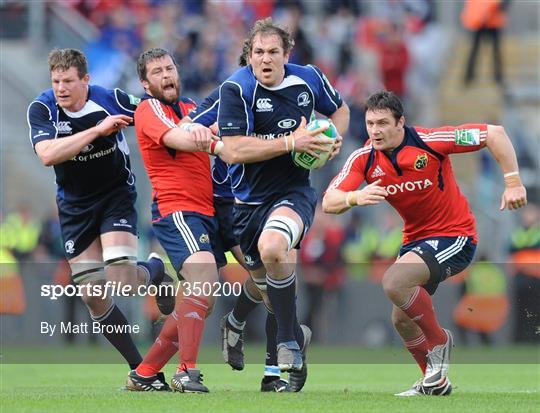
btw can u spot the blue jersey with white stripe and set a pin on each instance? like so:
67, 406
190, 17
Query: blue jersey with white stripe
206, 114
248, 108
102, 165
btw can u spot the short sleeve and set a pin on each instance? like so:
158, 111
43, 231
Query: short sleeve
152, 120
455, 139
234, 115
127, 104
351, 175
40, 123
328, 99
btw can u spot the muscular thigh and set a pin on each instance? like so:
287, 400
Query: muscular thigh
249, 221
444, 257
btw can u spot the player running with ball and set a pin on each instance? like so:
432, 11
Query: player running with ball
410, 168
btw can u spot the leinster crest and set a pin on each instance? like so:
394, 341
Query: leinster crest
421, 161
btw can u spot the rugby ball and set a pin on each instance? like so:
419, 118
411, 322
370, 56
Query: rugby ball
308, 161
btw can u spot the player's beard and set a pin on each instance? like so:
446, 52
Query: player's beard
169, 96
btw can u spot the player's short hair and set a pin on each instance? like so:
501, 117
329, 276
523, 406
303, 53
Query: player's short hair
266, 27
63, 59
385, 100
243, 59
149, 55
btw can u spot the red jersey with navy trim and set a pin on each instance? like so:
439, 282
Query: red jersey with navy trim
419, 179
181, 181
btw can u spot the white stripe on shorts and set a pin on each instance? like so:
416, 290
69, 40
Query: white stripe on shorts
187, 235
453, 249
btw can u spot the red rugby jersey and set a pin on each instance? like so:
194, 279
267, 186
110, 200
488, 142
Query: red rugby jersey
181, 181
419, 179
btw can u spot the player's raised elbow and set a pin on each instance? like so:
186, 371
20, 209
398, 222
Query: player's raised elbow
496, 132
46, 158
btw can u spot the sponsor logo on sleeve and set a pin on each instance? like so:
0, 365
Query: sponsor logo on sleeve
134, 100
467, 137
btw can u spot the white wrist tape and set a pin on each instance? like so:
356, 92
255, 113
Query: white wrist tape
348, 199
186, 126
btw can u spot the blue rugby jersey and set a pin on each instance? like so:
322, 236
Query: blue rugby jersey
248, 108
206, 114
102, 165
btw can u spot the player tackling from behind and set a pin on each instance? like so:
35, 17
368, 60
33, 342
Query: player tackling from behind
411, 169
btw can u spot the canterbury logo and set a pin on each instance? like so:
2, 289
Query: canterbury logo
377, 172
264, 105
64, 127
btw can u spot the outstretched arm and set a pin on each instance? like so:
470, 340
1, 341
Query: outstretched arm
336, 201
500, 146
55, 151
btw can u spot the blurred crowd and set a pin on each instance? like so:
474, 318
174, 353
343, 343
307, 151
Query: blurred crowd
361, 46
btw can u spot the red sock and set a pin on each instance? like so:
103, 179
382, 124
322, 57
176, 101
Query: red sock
419, 308
163, 348
191, 318
419, 347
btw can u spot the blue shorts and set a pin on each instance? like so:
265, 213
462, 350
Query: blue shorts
182, 234
82, 222
226, 239
249, 220
444, 256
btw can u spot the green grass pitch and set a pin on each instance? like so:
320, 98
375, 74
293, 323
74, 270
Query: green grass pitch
57, 388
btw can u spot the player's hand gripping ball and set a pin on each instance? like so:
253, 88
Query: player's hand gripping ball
307, 161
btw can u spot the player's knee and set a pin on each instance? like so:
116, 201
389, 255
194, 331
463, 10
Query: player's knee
121, 264
272, 251
391, 284
281, 231
97, 304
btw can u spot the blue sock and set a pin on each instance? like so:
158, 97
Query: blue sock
245, 304
271, 344
282, 295
154, 269
122, 341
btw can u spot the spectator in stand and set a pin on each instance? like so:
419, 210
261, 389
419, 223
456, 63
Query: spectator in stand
393, 60
484, 19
